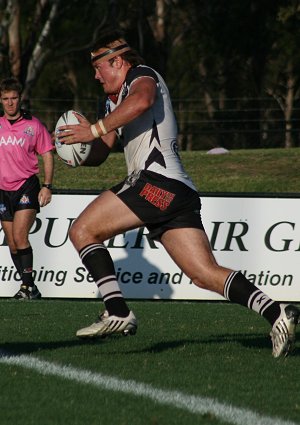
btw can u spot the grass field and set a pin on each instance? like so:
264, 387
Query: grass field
189, 363
263, 170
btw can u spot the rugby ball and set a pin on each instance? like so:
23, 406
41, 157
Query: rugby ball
72, 155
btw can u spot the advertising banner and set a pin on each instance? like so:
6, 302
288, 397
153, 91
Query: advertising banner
258, 236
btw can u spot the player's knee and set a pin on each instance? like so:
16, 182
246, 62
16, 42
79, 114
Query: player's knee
75, 233
80, 234
19, 242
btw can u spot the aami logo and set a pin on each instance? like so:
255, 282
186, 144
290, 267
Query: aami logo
12, 141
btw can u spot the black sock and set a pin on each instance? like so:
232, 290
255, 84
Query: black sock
26, 259
17, 262
99, 264
240, 290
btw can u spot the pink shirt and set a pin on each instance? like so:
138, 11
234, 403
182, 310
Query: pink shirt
20, 144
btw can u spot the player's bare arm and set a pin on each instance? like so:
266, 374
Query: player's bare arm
99, 151
45, 193
141, 97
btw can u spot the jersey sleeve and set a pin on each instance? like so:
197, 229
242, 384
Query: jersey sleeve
43, 139
141, 71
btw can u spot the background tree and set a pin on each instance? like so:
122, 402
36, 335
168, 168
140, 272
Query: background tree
232, 68
283, 77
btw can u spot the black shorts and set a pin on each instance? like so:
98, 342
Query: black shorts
22, 199
160, 202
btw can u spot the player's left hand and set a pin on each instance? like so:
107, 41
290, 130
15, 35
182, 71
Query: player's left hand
76, 133
44, 197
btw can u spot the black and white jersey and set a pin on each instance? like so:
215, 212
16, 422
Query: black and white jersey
150, 141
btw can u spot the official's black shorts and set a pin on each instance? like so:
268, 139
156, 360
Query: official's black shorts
160, 202
22, 199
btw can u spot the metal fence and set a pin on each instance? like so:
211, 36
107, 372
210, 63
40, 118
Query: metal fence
238, 123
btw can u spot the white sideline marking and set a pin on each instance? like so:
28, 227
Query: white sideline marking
190, 403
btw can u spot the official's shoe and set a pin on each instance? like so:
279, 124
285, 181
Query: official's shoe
107, 325
283, 333
27, 293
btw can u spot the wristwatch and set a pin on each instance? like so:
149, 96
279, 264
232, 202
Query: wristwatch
47, 185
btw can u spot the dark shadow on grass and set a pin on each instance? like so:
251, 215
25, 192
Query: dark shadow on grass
246, 340
18, 348
252, 341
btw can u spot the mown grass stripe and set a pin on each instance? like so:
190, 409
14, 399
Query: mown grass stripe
193, 404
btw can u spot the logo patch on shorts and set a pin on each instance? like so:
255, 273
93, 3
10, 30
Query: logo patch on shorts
2, 208
158, 197
133, 178
24, 200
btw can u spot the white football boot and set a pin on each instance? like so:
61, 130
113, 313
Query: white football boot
283, 333
107, 325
